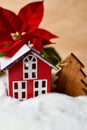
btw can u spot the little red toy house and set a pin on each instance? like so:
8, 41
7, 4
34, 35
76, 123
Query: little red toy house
28, 73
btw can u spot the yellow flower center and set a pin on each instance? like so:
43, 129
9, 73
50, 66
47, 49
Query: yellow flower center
17, 35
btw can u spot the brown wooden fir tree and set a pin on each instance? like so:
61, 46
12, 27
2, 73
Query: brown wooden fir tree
71, 80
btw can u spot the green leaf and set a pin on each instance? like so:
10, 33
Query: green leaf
51, 55
2, 54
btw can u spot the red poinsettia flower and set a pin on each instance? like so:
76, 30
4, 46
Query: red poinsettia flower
17, 30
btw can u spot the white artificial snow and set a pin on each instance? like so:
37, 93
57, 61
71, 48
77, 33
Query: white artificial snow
46, 112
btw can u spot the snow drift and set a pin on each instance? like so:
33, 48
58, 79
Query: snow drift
47, 112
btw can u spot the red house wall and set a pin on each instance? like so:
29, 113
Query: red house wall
15, 73
44, 72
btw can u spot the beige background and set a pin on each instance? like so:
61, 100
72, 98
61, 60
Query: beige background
65, 18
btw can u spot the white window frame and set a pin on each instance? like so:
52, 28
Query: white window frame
39, 88
30, 71
20, 90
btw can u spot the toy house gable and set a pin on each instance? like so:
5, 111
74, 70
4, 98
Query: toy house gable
29, 74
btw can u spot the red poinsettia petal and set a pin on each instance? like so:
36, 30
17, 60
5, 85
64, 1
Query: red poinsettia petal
36, 41
4, 36
13, 46
37, 44
9, 21
44, 34
46, 42
5, 43
6, 46
14, 49
9, 48
31, 16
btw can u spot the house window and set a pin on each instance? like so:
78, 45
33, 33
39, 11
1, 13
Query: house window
20, 90
30, 67
40, 87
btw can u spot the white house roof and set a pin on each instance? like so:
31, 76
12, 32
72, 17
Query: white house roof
7, 61
23, 50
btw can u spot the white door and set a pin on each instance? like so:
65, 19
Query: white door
20, 90
40, 87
